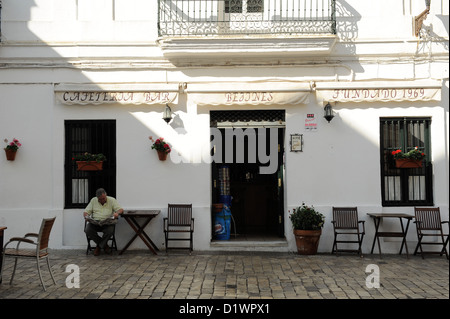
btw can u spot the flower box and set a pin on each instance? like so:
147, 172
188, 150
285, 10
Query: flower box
408, 163
89, 162
89, 165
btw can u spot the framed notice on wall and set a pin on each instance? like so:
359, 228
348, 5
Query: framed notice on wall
296, 143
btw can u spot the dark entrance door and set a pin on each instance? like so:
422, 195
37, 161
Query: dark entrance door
257, 198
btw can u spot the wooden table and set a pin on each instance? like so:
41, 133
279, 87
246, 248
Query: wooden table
377, 217
1, 250
131, 217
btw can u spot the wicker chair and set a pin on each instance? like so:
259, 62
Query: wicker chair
428, 223
345, 222
179, 220
39, 253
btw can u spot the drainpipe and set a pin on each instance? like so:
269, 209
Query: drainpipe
0, 21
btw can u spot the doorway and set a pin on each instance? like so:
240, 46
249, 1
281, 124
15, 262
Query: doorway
254, 182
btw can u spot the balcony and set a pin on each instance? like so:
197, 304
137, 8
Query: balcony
246, 26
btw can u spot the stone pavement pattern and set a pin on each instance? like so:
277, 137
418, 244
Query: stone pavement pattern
218, 275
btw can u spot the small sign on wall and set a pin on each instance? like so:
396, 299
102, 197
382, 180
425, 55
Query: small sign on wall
310, 123
296, 143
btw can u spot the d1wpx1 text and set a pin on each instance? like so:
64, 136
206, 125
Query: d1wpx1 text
250, 308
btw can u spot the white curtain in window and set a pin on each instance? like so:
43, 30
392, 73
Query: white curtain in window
392, 189
416, 187
80, 191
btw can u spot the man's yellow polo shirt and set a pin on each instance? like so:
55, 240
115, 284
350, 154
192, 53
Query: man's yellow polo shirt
98, 211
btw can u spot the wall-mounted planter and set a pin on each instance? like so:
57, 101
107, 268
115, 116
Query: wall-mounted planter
89, 166
162, 155
408, 163
10, 154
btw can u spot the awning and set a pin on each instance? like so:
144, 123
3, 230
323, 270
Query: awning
249, 93
382, 91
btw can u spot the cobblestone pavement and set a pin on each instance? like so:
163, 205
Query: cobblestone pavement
227, 275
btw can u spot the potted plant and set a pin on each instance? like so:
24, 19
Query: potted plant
162, 147
89, 162
307, 224
411, 159
11, 149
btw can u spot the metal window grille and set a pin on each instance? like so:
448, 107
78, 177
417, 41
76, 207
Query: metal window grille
92, 136
247, 116
234, 17
411, 186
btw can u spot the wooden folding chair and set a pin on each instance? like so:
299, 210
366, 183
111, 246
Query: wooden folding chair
41, 251
345, 222
112, 239
179, 220
428, 224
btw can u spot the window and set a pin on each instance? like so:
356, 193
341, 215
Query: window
92, 136
244, 6
405, 186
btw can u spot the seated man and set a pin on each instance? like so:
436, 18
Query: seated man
102, 213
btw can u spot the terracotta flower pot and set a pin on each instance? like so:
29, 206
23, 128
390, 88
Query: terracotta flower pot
162, 155
10, 154
307, 241
89, 166
408, 163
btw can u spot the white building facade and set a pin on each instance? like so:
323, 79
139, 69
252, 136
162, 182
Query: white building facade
96, 76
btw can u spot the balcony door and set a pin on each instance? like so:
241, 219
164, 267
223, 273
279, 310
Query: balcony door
242, 15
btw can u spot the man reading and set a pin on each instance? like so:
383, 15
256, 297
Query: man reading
102, 213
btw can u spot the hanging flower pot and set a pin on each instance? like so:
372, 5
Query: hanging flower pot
408, 163
11, 149
89, 166
162, 147
162, 155
10, 154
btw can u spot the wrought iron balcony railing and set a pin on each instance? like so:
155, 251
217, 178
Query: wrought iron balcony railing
246, 17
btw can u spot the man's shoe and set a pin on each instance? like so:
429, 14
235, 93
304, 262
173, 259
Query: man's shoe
107, 249
97, 251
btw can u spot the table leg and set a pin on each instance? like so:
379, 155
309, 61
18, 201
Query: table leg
149, 240
376, 221
404, 232
139, 231
444, 248
1, 254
